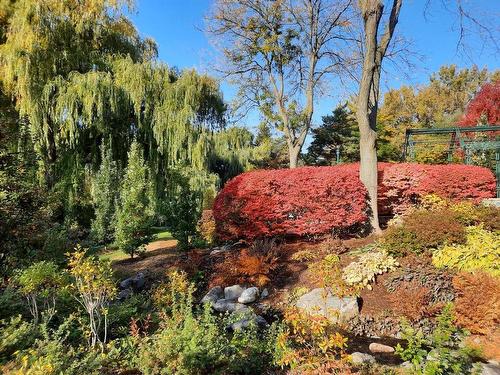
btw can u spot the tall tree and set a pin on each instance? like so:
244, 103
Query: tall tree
134, 212
375, 49
338, 131
378, 30
279, 53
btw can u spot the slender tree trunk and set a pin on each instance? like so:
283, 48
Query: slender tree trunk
367, 104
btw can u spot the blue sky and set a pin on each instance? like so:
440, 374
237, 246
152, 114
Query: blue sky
176, 25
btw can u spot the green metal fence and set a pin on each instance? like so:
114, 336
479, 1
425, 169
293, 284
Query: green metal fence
469, 140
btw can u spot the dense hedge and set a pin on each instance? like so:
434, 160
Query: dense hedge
317, 200
402, 185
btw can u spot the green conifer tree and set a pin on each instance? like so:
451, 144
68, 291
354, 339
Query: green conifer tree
104, 196
134, 213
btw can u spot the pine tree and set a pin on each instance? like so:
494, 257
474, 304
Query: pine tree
134, 213
104, 196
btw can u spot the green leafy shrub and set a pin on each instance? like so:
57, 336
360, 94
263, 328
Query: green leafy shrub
423, 230
15, 334
189, 342
480, 252
441, 352
39, 283
368, 266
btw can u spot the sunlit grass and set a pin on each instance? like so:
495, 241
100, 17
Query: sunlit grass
113, 254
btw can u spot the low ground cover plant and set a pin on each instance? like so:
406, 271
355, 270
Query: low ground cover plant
364, 271
480, 252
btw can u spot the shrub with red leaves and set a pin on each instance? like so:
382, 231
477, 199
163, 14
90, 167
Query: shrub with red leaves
294, 202
402, 185
318, 200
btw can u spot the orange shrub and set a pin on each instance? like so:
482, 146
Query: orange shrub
411, 300
477, 301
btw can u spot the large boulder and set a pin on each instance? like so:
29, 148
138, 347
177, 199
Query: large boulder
320, 302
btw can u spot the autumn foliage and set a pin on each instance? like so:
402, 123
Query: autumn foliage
318, 200
485, 107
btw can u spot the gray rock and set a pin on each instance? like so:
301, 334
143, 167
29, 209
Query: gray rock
138, 281
319, 302
228, 305
258, 320
127, 283
213, 295
233, 292
489, 368
493, 202
249, 295
264, 294
406, 365
124, 294
358, 358
380, 348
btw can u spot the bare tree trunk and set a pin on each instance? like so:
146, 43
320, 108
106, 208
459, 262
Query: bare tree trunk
293, 153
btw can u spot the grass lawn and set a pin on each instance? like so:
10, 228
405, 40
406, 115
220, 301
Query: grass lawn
113, 254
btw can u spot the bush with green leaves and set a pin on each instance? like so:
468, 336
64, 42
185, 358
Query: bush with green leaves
191, 341
440, 353
15, 334
182, 209
135, 210
364, 271
104, 196
39, 284
481, 252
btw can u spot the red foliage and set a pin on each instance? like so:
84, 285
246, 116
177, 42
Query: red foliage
317, 200
301, 201
484, 106
402, 185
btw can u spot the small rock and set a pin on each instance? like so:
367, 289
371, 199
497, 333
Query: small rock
138, 281
213, 295
264, 294
225, 305
258, 320
319, 302
406, 365
233, 292
249, 295
124, 294
380, 348
358, 358
127, 283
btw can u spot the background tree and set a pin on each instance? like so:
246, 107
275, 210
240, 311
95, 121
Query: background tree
104, 196
279, 53
484, 109
337, 130
134, 214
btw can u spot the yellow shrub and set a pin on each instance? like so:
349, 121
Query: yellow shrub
480, 252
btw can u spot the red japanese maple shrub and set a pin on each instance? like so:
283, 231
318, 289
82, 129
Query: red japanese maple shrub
317, 200
290, 202
403, 185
